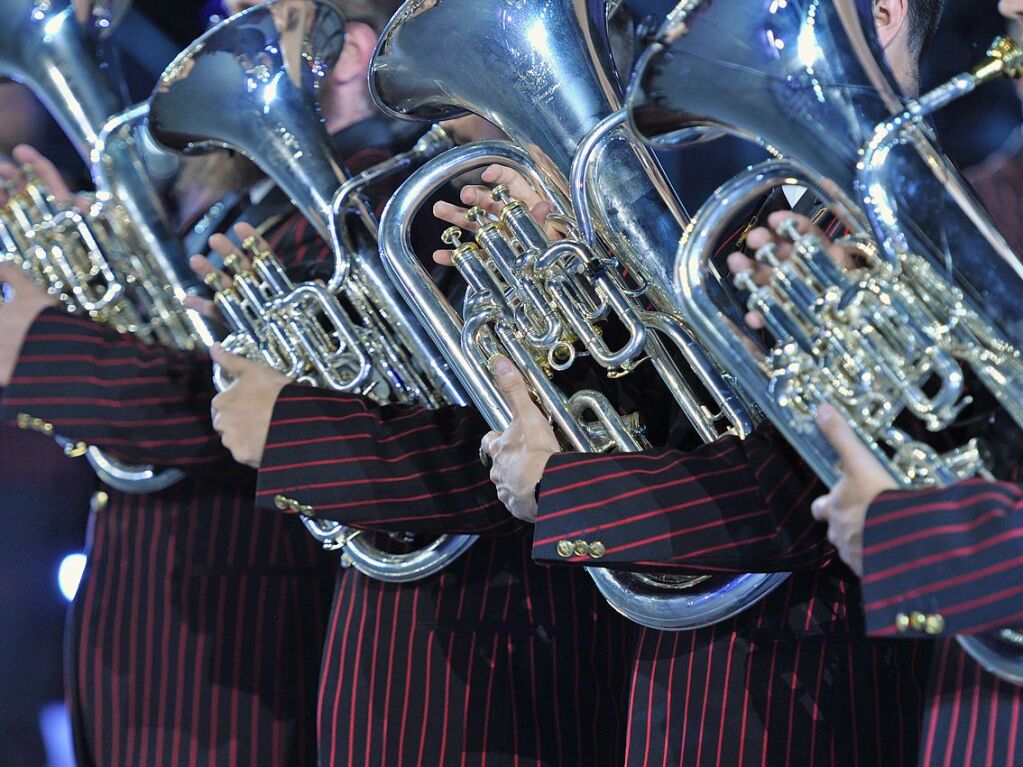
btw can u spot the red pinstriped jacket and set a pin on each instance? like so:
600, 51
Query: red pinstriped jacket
494, 661
955, 552
198, 629
792, 680
951, 551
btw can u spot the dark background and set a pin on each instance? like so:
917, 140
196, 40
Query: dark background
46, 496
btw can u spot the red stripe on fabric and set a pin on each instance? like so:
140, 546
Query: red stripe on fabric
650, 489
375, 458
708, 501
905, 497
408, 681
684, 459
932, 532
39, 359
359, 642
376, 481
944, 556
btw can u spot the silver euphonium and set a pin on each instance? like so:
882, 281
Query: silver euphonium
120, 261
937, 291
541, 70
250, 85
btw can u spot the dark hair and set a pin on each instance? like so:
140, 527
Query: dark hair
924, 16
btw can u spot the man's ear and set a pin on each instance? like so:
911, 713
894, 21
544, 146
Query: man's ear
360, 42
890, 16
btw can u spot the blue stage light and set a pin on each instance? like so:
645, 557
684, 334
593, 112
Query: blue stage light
69, 575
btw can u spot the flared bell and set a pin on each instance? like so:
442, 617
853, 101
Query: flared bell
250, 84
45, 48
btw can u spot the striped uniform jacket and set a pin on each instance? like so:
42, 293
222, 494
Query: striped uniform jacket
493, 661
791, 680
943, 562
198, 629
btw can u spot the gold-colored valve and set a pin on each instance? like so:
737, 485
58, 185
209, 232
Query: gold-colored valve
501, 194
233, 261
1004, 59
452, 236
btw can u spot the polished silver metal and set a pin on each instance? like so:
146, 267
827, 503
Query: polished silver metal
541, 70
44, 47
250, 84
937, 290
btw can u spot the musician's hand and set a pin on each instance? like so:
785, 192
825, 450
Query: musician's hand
863, 479
766, 235
46, 171
480, 196
521, 452
17, 313
242, 412
204, 269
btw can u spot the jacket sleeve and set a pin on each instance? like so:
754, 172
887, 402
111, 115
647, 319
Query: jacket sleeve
944, 560
142, 404
731, 506
339, 456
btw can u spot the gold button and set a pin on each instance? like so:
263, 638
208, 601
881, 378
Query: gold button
581, 548
281, 502
24, 421
99, 501
917, 621
75, 449
934, 624
304, 510
597, 549
564, 549
901, 622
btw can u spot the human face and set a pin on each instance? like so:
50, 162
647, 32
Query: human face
1011, 9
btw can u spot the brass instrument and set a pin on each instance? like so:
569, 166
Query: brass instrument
120, 261
249, 84
936, 293
544, 303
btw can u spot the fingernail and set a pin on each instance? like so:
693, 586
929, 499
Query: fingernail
503, 366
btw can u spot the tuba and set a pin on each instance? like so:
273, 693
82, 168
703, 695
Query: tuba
120, 261
249, 84
935, 301
550, 85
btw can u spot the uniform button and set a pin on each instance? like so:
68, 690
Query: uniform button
565, 549
597, 549
581, 548
24, 421
917, 621
99, 501
281, 502
934, 624
901, 623
303, 509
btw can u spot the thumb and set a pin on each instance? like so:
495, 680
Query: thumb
513, 386
851, 450
231, 364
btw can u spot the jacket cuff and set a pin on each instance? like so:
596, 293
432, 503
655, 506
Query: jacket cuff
943, 561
